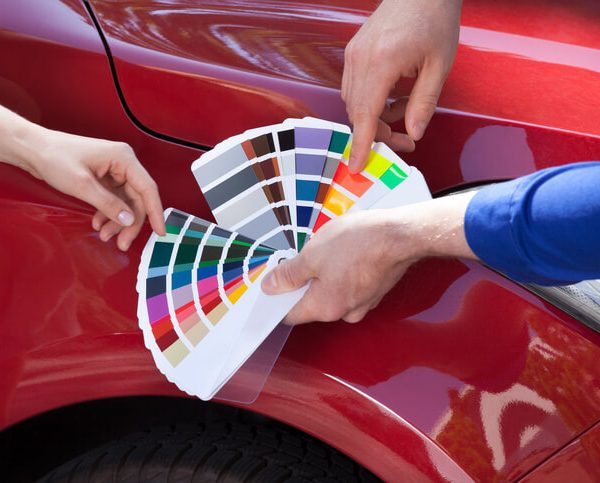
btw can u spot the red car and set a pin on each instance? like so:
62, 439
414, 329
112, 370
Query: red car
460, 374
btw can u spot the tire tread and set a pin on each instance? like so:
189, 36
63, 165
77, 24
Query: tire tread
220, 451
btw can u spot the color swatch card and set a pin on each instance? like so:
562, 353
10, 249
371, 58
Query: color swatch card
200, 307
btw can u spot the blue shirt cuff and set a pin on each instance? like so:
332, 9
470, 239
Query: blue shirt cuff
489, 230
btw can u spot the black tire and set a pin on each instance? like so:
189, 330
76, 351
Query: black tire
212, 452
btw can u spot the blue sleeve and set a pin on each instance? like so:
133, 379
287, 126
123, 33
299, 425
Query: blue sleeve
542, 228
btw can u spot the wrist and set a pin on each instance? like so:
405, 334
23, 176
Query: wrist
433, 228
22, 142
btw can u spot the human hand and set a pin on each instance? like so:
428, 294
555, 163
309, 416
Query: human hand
354, 260
402, 38
103, 173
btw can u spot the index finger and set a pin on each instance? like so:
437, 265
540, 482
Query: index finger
140, 180
364, 111
363, 135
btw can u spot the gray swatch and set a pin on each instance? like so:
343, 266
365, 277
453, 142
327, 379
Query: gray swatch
330, 167
264, 224
231, 187
242, 208
220, 166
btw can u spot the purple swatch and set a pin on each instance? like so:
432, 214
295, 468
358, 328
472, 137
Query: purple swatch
310, 164
314, 138
157, 307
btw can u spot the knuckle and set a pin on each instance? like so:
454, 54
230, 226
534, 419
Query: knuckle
124, 151
331, 313
152, 186
382, 51
354, 52
285, 275
126, 148
427, 100
149, 189
354, 318
362, 116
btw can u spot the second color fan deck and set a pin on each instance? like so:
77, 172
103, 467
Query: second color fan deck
201, 308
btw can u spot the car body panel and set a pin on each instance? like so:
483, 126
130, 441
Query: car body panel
246, 63
458, 374
576, 462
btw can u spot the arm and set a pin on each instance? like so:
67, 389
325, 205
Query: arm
542, 228
105, 174
356, 259
402, 39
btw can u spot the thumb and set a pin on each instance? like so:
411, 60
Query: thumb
106, 202
287, 276
423, 100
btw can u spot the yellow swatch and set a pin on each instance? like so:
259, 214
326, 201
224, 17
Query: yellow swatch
346, 154
337, 202
237, 293
377, 164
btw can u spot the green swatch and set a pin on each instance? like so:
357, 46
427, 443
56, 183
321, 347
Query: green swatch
393, 176
338, 141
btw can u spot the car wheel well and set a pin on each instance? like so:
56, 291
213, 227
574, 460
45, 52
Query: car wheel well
64, 433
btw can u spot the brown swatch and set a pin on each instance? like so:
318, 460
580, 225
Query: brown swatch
322, 192
263, 145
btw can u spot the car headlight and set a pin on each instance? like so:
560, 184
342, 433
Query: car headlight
580, 300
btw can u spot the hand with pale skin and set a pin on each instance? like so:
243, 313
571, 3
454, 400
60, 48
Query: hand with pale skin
105, 174
401, 39
354, 260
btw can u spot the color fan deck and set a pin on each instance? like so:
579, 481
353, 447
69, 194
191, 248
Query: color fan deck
201, 308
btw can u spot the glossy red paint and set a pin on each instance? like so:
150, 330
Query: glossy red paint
515, 101
576, 462
458, 374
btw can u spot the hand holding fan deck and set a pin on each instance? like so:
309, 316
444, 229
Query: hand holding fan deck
201, 308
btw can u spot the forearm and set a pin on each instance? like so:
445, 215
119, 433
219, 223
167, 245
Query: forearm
20, 140
542, 228
431, 228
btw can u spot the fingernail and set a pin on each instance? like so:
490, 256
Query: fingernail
419, 130
269, 284
352, 165
126, 218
